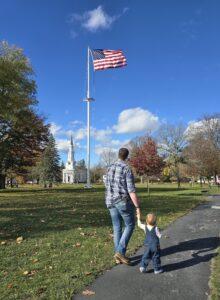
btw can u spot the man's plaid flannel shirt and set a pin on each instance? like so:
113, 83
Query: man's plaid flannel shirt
119, 182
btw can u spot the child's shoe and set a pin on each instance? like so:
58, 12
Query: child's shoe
158, 271
143, 270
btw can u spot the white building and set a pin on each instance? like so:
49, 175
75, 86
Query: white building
73, 173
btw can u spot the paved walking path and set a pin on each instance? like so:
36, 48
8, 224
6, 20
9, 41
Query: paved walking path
188, 245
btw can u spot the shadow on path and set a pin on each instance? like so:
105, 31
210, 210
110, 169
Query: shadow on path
200, 245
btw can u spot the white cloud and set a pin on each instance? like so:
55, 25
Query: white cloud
76, 123
115, 142
136, 120
98, 19
62, 144
54, 128
99, 149
201, 126
80, 134
95, 19
193, 128
73, 34
101, 135
125, 9
114, 145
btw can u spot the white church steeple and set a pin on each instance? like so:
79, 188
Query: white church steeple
72, 173
70, 158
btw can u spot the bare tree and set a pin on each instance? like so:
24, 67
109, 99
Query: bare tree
97, 173
211, 129
203, 150
108, 157
172, 142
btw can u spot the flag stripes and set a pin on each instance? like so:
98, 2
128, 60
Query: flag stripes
105, 59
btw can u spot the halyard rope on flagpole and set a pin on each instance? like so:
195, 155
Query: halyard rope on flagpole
88, 100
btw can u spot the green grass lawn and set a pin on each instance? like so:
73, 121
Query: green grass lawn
215, 277
67, 236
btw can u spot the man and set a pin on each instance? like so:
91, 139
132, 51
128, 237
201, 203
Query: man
121, 200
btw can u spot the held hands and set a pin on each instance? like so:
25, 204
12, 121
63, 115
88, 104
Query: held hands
138, 213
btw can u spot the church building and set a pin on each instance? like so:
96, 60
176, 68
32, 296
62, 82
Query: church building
74, 172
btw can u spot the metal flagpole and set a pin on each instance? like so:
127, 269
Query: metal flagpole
88, 100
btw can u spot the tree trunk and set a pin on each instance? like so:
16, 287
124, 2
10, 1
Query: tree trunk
192, 181
2, 181
201, 182
142, 179
11, 182
215, 178
178, 182
148, 186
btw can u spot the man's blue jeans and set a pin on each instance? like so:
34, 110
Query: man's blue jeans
122, 212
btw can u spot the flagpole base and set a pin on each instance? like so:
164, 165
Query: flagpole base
88, 186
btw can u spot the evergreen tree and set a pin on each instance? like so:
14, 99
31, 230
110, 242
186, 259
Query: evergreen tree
62, 166
50, 164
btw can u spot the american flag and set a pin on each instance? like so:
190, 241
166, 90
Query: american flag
105, 59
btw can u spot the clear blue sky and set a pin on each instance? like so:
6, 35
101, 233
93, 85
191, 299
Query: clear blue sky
173, 72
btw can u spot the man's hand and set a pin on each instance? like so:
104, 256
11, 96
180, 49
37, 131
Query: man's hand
138, 213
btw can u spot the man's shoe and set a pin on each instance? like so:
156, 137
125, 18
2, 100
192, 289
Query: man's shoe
117, 261
122, 258
143, 270
158, 271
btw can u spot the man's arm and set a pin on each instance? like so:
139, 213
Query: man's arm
132, 192
136, 202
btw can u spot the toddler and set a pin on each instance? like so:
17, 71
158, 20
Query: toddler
152, 244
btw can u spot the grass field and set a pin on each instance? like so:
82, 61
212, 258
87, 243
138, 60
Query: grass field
215, 278
67, 236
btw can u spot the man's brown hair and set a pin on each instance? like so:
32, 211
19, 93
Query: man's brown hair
123, 153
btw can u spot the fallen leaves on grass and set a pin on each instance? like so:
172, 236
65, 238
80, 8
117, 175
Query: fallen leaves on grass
88, 273
77, 245
19, 240
3, 243
88, 293
10, 286
29, 273
41, 290
25, 272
